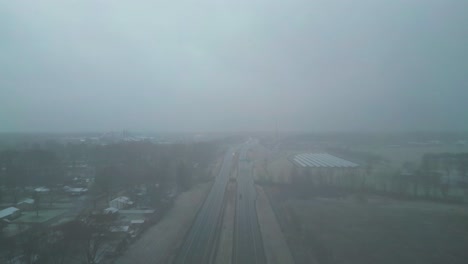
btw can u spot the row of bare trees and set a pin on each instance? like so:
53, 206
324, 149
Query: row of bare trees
434, 177
117, 165
30, 167
159, 167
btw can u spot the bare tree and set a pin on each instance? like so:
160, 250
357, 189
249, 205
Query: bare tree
428, 167
80, 239
31, 243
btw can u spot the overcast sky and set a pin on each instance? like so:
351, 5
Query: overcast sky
219, 65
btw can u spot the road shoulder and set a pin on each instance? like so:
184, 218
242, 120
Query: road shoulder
274, 243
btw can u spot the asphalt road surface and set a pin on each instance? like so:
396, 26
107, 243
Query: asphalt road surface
200, 241
248, 245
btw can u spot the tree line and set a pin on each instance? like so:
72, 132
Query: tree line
116, 165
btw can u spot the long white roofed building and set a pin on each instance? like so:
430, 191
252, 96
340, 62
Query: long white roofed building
324, 167
322, 160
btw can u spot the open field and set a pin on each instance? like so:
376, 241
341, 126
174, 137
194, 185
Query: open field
378, 230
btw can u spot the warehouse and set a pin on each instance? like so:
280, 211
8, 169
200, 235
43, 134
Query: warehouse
323, 167
9, 213
322, 160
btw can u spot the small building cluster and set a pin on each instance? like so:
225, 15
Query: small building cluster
121, 202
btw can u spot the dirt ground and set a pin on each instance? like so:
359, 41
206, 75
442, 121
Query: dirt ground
159, 243
375, 230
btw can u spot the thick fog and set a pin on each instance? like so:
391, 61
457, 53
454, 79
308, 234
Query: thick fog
233, 65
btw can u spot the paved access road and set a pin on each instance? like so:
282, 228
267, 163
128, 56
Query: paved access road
248, 245
200, 242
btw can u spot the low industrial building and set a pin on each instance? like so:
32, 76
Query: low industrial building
10, 213
26, 204
110, 210
42, 190
121, 202
324, 167
75, 191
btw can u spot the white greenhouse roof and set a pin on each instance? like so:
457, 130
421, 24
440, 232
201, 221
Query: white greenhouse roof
322, 160
8, 211
28, 201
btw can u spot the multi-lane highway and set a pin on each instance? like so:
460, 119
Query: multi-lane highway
248, 245
199, 243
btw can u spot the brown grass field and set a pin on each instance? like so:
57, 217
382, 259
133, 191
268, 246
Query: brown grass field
374, 230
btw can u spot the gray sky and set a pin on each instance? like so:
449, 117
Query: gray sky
218, 65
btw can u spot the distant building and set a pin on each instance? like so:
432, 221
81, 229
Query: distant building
137, 215
42, 190
121, 202
137, 222
322, 160
75, 191
110, 210
324, 165
10, 213
119, 229
26, 204
138, 212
